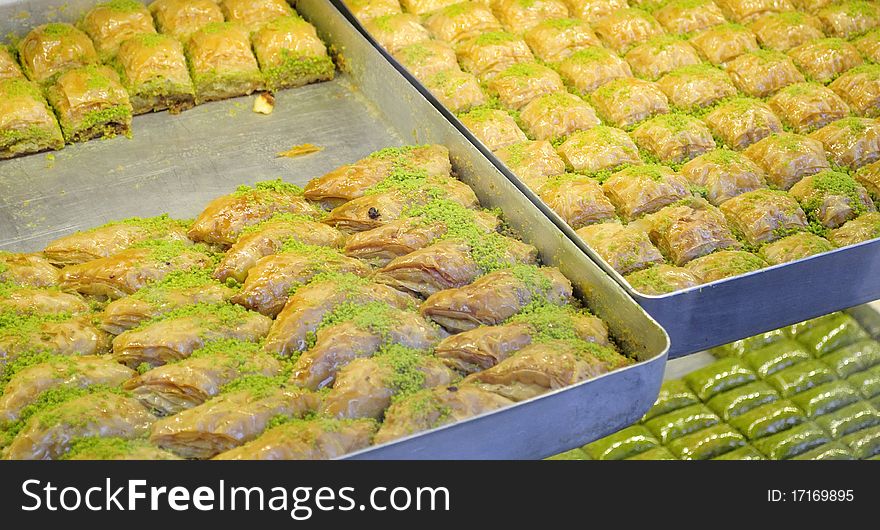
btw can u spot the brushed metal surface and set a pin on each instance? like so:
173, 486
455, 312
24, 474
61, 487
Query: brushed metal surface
176, 164
726, 310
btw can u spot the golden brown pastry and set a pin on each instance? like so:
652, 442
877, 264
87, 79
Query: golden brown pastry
495, 128
787, 158
696, 86
639, 190
589, 68
555, 39
90, 103
763, 216
111, 23
221, 62
182, 18
743, 121
27, 124
723, 174
851, 142
315, 439
806, 107
125, 272
222, 221
49, 434
598, 149
175, 335
253, 14
291, 54
153, 70
688, 230
50, 49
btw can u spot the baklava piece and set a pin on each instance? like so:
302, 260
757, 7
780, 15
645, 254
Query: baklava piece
458, 91
598, 149
860, 88
625, 248
182, 18
660, 56
688, 16
688, 230
521, 83
743, 11
577, 199
290, 53
490, 53
742, 122
625, 28
253, 14
422, 7
554, 40
594, 10
495, 128
462, 21
627, 101
824, 59
27, 124
27, 270
723, 43
222, 63
763, 216
723, 174
674, 138
533, 162
556, 116
850, 142
224, 219
153, 70
662, 279
132, 269
9, 68
784, 31
849, 19
112, 238
518, 16
862, 228
365, 10
697, 86
869, 45
112, 23
393, 32
640, 190
795, 247
832, 198
725, 264
588, 69
50, 49
787, 158
806, 107
426, 59
761, 73
90, 103
869, 177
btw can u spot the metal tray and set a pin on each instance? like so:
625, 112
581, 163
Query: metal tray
176, 164
725, 310
867, 315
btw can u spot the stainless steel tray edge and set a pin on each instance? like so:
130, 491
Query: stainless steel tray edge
726, 310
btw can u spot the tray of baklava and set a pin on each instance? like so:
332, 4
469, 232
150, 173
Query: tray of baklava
718, 158
403, 302
810, 391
